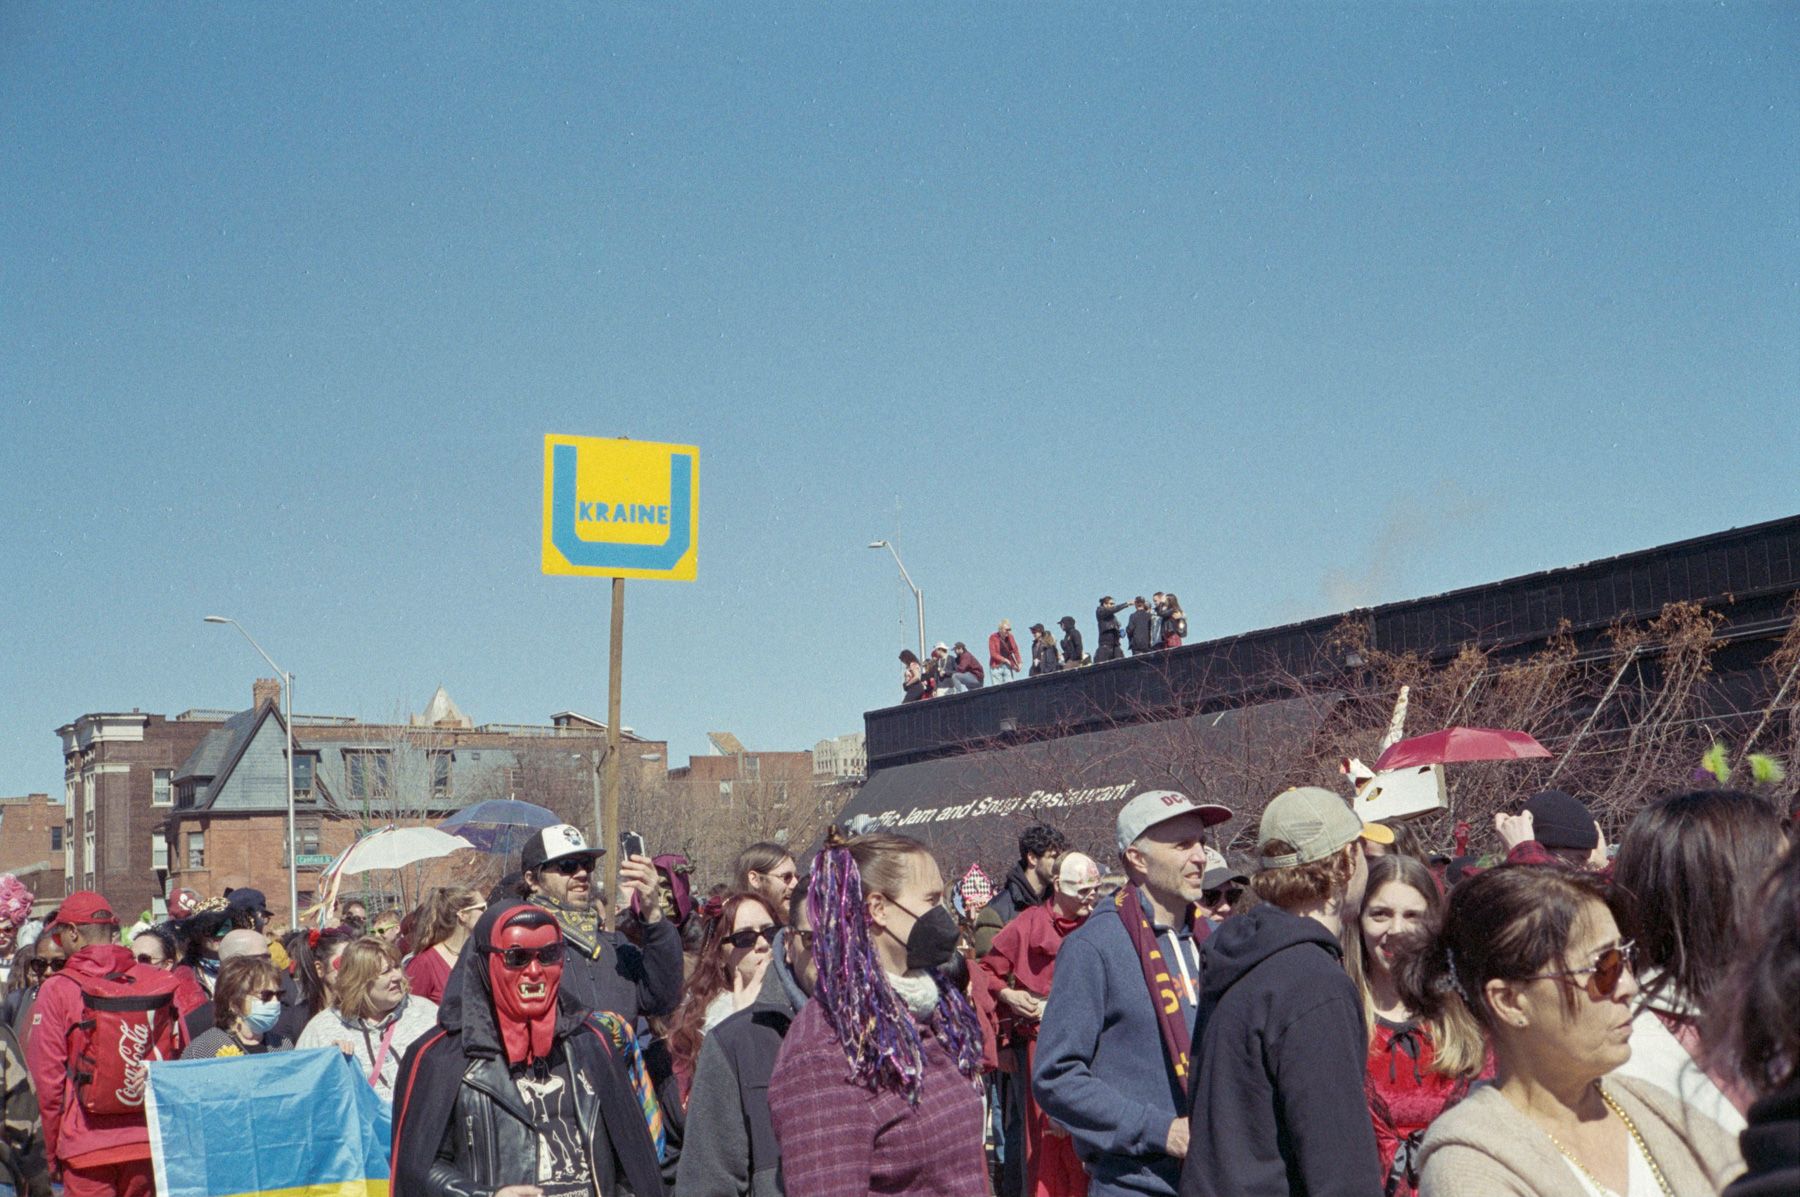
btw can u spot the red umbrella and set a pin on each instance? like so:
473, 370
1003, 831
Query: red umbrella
1461, 744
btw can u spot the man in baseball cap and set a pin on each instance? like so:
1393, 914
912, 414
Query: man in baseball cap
105, 1153
1127, 983
1220, 888
1292, 1116
1554, 828
603, 970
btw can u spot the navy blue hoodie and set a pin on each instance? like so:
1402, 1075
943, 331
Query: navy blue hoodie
1280, 1055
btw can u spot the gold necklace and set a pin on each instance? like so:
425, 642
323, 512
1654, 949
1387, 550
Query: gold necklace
1631, 1129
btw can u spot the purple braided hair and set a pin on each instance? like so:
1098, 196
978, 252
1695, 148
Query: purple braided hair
881, 1041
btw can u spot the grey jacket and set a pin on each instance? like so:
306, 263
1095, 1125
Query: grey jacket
729, 1148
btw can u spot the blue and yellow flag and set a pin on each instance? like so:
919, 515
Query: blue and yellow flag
284, 1124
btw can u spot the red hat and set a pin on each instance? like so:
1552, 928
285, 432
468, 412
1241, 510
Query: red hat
85, 906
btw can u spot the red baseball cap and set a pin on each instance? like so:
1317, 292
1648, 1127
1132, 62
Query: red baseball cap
85, 906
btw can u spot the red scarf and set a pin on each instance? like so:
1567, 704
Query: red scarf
1177, 1040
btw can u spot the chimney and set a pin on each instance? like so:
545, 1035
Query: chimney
265, 689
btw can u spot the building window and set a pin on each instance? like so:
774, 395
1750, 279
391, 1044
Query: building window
306, 835
196, 849
367, 773
56, 837
162, 789
440, 776
159, 852
87, 792
303, 773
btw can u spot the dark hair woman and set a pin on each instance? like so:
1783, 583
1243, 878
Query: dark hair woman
1533, 956
1688, 870
877, 1085
312, 953
1758, 1037
1418, 1067
246, 1005
1174, 621
726, 977
912, 676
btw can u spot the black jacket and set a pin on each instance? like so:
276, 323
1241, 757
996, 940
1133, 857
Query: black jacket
1071, 641
460, 1127
734, 1151
1280, 1056
1138, 630
1043, 657
609, 972
1771, 1146
1107, 616
1014, 898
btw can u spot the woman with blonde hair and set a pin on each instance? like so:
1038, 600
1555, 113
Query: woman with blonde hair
1532, 955
373, 1017
1418, 1067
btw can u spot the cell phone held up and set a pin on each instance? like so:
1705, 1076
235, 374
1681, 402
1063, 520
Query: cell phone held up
632, 844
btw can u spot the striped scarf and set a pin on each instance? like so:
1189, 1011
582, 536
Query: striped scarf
1175, 1037
625, 1039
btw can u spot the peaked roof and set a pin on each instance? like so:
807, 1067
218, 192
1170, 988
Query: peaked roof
219, 753
440, 711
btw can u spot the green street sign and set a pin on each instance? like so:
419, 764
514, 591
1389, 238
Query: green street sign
312, 861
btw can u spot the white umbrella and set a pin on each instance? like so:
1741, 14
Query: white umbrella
397, 847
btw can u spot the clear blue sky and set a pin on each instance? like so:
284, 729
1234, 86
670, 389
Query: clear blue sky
1284, 307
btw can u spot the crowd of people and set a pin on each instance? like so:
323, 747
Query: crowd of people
1151, 624
1332, 1016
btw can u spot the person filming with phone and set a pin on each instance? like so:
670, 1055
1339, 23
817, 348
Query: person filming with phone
604, 971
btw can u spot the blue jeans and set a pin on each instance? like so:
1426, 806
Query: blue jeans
964, 681
1002, 673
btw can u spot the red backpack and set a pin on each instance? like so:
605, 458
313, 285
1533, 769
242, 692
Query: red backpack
128, 1019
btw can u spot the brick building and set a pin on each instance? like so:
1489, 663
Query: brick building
118, 785
31, 846
229, 823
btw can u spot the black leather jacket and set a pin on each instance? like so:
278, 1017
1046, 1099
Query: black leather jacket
462, 1130
492, 1142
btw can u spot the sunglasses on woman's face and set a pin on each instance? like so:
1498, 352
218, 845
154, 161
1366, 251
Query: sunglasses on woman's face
40, 967
1227, 895
747, 938
267, 995
518, 958
1602, 975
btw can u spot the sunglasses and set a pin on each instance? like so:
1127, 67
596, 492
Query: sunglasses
747, 938
805, 938
267, 995
518, 958
152, 961
45, 966
1227, 895
477, 906
1602, 975
571, 866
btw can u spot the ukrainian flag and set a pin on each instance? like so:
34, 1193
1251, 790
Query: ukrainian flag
283, 1124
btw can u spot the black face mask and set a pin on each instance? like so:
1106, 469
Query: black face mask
932, 941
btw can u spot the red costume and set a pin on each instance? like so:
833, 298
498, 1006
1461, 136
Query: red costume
1024, 957
1405, 1096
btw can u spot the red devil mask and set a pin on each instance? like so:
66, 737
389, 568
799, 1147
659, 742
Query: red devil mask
525, 970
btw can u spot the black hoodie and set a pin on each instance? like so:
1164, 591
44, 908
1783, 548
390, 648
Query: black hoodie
1279, 1058
468, 1041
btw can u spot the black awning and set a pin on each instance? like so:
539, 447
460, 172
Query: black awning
971, 808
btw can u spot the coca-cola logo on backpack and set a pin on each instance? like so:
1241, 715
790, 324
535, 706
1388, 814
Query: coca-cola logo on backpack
127, 1020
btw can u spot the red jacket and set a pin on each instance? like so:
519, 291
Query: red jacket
1003, 650
1405, 1097
70, 1134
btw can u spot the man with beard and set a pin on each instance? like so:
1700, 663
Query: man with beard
606, 972
518, 1093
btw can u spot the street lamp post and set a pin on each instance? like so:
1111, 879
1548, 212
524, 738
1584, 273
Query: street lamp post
918, 595
287, 719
